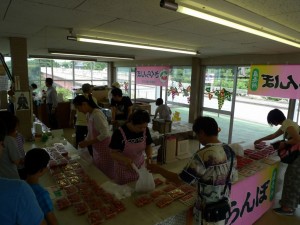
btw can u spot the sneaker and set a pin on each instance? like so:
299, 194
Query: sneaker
280, 211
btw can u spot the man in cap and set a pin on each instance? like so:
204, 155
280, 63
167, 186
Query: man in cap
114, 85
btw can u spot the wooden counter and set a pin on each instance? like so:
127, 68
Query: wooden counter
62, 114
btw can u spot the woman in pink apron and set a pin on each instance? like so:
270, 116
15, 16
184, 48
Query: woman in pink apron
98, 134
130, 143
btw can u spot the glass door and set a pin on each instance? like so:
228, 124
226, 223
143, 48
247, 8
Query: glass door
219, 98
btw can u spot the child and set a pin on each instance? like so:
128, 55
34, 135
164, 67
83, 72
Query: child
10, 158
36, 161
20, 143
163, 110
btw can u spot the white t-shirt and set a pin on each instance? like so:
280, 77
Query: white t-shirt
100, 124
164, 112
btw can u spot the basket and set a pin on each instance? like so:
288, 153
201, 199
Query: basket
162, 126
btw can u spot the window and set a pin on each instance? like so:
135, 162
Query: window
250, 111
66, 74
178, 92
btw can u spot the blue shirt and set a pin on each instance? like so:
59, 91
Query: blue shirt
43, 197
18, 204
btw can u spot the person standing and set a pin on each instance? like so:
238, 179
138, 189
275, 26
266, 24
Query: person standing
208, 168
81, 124
121, 107
163, 110
18, 202
98, 134
51, 101
114, 85
128, 144
290, 197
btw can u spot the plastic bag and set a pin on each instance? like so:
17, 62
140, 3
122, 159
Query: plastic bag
145, 183
85, 155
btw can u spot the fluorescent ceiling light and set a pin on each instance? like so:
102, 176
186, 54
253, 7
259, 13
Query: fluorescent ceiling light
131, 45
91, 55
191, 12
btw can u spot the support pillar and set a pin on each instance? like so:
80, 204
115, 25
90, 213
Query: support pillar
18, 50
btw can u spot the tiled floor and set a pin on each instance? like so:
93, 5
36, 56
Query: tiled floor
269, 218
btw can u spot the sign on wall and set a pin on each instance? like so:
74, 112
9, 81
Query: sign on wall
275, 80
22, 100
153, 75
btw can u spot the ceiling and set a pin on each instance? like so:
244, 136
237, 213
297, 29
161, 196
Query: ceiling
46, 24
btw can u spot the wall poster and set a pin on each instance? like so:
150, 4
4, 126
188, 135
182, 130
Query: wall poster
22, 100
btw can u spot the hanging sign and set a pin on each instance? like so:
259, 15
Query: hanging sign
252, 196
153, 75
275, 80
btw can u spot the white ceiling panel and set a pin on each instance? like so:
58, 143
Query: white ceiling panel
46, 24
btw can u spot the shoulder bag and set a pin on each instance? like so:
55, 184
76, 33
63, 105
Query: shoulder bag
289, 153
217, 211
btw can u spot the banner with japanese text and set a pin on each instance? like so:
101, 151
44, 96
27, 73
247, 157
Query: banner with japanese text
252, 196
275, 80
153, 75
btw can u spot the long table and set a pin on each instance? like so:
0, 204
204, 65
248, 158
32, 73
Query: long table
133, 215
251, 197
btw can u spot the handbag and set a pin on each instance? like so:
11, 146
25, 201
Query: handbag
220, 210
216, 211
289, 153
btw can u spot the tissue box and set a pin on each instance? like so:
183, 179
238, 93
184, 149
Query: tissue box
162, 126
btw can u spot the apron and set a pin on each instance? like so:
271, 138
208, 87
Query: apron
135, 151
101, 152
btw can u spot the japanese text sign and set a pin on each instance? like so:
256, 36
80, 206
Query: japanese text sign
252, 196
153, 75
275, 80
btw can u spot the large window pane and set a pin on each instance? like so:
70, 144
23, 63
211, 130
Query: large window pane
178, 92
94, 73
146, 91
62, 70
123, 78
218, 88
39, 70
46, 68
99, 73
179, 85
64, 88
83, 70
250, 115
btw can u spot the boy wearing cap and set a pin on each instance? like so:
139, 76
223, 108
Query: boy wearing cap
114, 85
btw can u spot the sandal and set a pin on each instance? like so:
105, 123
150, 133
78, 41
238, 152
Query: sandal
280, 211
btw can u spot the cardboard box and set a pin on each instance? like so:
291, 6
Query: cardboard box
171, 148
162, 126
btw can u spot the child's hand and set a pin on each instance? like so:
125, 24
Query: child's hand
153, 168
